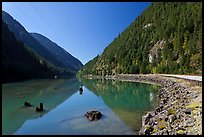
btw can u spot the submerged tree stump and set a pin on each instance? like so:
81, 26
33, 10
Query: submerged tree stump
40, 109
80, 89
27, 104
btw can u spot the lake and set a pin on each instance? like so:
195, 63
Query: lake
122, 105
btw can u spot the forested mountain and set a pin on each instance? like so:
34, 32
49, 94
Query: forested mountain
39, 50
20, 63
62, 55
165, 38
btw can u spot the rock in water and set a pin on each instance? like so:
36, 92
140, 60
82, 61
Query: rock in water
93, 115
27, 104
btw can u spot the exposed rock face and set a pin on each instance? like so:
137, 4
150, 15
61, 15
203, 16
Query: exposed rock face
154, 51
93, 115
147, 25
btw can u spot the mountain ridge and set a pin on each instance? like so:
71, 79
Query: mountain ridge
63, 56
33, 44
173, 28
20, 63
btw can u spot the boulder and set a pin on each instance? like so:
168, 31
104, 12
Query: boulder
171, 118
148, 130
188, 111
180, 132
171, 111
146, 118
93, 115
161, 124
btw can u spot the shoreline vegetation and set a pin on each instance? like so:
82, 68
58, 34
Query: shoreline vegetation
180, 109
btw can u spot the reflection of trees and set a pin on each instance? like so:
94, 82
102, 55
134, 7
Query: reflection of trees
50, 92
129, 100
121, 94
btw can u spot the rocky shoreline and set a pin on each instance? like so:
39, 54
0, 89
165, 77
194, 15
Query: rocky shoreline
180, 109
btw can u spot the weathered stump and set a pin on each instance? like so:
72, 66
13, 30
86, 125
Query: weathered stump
40, 109
27, 104
80, 89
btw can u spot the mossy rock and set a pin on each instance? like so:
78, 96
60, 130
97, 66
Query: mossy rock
171, 111
180, 132
195, 111
154, 131
162, 124
194, 105
148, 130
148, 127
175, 102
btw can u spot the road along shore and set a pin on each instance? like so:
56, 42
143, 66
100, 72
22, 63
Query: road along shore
180, 109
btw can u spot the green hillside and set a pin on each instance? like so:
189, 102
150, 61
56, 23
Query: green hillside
165, 38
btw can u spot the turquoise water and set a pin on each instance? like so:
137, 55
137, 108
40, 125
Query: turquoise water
121, 103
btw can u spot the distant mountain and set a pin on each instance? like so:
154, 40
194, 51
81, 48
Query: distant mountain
165, 38
19, 63
62, 55
39, 50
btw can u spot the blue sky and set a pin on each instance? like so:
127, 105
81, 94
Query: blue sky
83, 29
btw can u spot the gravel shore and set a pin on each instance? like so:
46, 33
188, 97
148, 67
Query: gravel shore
180, 109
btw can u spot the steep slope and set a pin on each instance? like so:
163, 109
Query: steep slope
62, 55
18, 63
165, 38
22, 35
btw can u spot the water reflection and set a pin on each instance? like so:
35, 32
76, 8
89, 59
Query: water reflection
122, 105
50, 92
129, 100
69, 119
80, 90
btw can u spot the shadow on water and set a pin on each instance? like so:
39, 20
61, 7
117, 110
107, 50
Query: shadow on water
129, 100
50, 92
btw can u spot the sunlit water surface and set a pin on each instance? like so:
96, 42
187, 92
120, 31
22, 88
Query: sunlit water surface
121, 103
